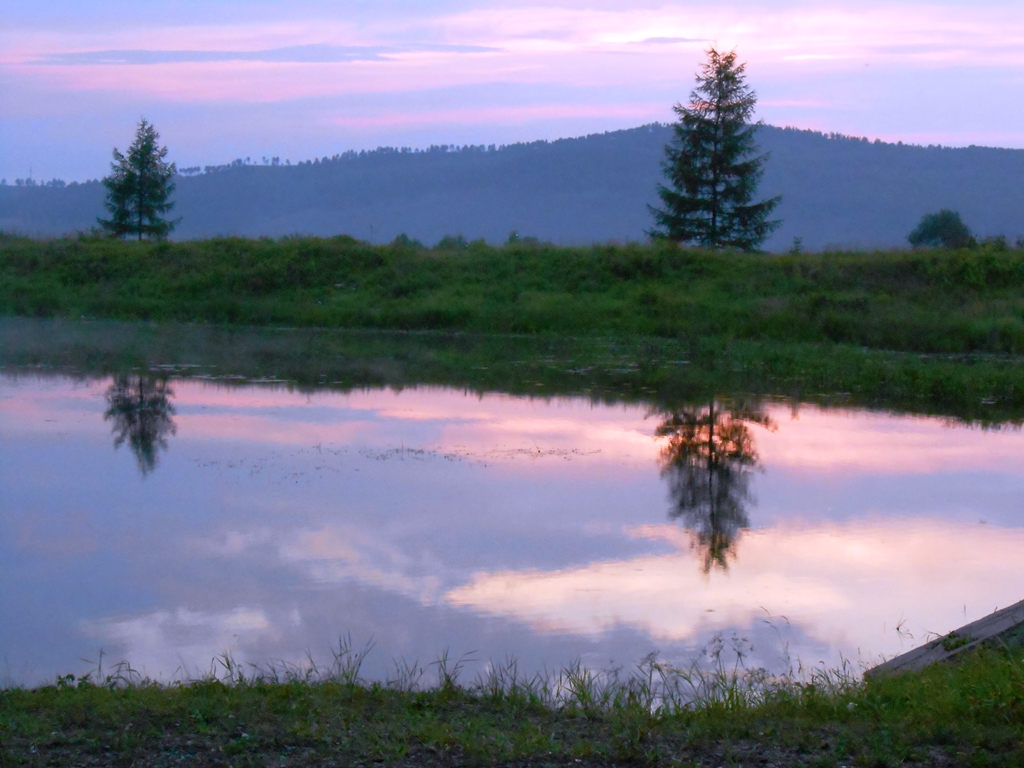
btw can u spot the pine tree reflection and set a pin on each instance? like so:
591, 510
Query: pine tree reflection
141, 412
708, 460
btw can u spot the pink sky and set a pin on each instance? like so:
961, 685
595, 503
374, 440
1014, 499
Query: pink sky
223, 80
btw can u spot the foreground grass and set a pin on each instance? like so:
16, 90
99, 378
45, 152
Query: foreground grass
926, 301
968, 713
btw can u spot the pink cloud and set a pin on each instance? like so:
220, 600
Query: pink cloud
851, 442
569, 46
846, 586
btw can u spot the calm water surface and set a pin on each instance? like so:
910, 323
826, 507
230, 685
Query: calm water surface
166, 522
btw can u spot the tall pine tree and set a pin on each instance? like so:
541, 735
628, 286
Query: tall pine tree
712, 165
138, 188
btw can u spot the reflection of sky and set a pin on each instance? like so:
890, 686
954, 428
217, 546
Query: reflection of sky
308, 78
431, 518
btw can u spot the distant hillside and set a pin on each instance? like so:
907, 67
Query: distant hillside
837, 192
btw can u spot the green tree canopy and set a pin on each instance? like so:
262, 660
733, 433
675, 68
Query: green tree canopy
138, 188
945, 229
712, 165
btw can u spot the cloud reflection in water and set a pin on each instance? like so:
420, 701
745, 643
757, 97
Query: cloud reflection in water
431, 518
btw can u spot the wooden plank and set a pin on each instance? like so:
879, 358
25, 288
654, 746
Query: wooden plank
993, 629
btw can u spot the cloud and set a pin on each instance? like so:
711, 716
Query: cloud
295, 54
337, 554
181, 639
671, 40
855, 442
844, 586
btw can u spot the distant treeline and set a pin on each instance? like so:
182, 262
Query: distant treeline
348, 155
838, 192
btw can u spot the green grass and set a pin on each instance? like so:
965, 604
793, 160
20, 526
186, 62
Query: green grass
968, 713
938, 302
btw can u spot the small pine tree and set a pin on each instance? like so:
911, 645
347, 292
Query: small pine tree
712, 165
138, 188
944, 228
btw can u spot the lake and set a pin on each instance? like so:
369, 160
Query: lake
168, 514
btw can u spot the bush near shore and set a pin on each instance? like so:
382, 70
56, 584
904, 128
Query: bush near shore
970, 712
931, 301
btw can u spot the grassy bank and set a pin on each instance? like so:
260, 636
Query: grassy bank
928, 301
968, 713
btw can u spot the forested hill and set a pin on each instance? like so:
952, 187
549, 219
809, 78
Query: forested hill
837, 192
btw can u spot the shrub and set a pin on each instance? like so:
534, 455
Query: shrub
944, 228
